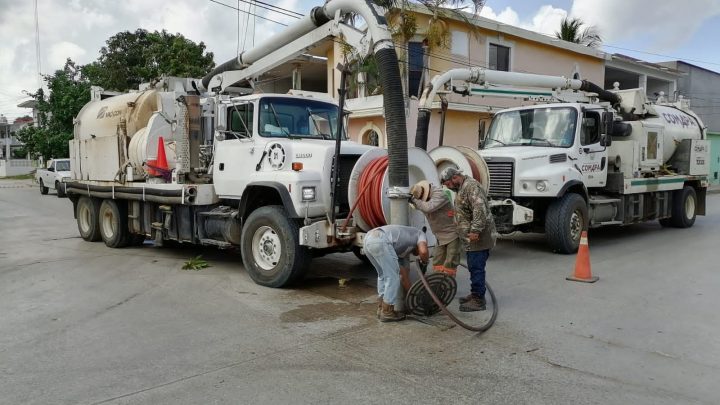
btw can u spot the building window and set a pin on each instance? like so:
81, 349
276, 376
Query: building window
415, 68
371, 137
499, 57
460, 44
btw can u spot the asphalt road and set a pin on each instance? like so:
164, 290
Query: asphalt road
83, 323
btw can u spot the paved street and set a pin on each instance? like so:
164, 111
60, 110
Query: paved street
82, 323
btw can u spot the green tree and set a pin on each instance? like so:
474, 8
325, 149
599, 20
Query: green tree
571, 30
69, 91
131, 58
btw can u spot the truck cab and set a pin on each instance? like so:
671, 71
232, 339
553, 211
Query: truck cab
281, 147
543, 154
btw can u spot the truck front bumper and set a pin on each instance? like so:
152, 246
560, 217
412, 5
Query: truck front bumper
512, 213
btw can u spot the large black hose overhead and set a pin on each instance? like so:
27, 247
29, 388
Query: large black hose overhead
603, 94
394, 105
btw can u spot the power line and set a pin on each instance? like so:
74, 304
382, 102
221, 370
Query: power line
237, 8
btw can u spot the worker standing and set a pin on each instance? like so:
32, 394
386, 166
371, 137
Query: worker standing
436, 203
477, 230
386, 247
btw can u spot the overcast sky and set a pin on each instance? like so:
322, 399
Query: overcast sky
651, 30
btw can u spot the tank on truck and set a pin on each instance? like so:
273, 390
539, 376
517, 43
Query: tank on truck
323, 23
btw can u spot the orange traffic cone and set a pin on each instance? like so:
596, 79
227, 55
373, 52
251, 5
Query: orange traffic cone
161, 159
582, 263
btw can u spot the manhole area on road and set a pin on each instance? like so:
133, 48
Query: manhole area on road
328, 311
357, 296
352, 290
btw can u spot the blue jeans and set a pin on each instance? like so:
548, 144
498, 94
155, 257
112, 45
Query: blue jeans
380, 252
476, 264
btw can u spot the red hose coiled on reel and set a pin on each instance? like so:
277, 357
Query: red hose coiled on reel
370, 203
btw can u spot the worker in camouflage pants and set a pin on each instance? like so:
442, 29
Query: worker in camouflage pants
477, 230
436, 203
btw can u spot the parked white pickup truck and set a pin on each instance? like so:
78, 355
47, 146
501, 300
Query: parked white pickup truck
58, 170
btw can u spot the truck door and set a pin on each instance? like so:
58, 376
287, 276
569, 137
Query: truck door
49, 175
651, 153
592, 159
238, 154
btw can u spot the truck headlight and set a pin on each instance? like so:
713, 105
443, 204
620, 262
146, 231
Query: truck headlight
541, 185
308, 193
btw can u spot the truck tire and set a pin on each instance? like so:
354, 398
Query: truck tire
86, 212
684, 209
565, 220
357, 251
58, 188
43, 189
113, 223
270, 248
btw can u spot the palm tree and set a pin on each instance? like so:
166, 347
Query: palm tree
403, 25
571, 30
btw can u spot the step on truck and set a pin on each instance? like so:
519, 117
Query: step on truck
210, 163
580, 156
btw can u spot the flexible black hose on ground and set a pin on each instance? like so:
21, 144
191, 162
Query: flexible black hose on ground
480, 329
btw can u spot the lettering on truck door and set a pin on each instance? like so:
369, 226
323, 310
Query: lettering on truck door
592, 159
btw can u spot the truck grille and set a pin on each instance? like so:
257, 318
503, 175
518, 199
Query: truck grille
501, 178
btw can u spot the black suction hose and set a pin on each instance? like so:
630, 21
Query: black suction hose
421, 133
394, 105
480, 329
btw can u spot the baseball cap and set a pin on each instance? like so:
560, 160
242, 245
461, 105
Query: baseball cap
448, 173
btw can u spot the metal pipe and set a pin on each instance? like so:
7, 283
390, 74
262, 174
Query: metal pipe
479, 75
338, 138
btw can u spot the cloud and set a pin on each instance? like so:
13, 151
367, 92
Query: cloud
664, 24
60, 51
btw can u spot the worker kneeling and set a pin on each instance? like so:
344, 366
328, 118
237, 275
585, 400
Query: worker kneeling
386, 247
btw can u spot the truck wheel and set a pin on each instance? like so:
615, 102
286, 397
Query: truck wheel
113, 224
58, 188
43, 189
270, 248
86, 212
357, 251
565, 220
684, 208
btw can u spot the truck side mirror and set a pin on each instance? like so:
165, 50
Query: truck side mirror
608, 120
481, 134
51, 169
605, 140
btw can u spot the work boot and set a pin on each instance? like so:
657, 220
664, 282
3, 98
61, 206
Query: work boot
388, 314
475, 303
465, 298
379, 306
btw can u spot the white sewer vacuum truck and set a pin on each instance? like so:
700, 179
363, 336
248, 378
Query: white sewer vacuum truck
582, 156
204, 162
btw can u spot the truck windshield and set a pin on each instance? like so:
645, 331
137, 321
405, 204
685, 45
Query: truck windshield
297, 118
553, 126
62, 165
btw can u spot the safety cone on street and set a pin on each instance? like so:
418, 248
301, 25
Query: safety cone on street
582, 262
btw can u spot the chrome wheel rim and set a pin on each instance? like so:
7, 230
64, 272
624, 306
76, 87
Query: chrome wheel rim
108, 224
266, 248
576, 225
690, 207
84, 218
